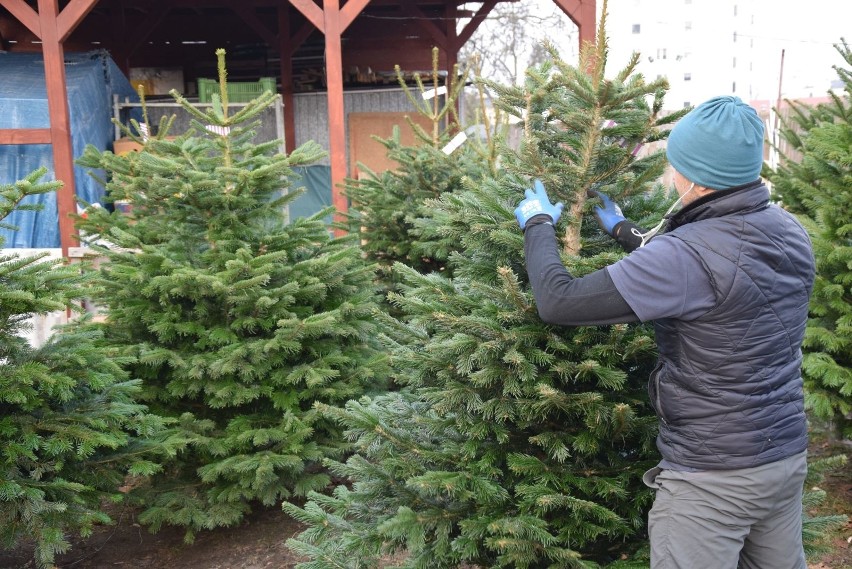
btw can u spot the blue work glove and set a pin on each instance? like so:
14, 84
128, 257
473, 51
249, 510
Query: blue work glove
536, 203
607, 216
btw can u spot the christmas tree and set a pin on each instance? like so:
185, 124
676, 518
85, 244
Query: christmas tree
514, 443
389, 207
237, 322
818, 188
68, 419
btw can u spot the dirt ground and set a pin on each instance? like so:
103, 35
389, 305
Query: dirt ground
258, 543
838, 488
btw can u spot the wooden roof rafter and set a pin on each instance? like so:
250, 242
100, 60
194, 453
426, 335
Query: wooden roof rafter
410, 8
475, 21
158, 10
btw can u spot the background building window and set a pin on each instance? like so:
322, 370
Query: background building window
734, 87
635, 28
687, 26
687, 76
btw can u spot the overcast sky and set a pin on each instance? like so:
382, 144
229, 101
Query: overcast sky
806, 30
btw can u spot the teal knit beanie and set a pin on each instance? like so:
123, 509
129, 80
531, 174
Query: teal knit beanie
718, 144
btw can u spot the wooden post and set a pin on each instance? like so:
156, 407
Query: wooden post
287, 47
285, 51
332, 20
336, 126
52, 27
60, 122
583, 14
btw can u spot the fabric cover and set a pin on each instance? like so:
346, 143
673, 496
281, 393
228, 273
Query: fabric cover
92, 79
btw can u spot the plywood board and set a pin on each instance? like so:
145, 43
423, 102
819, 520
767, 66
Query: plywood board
364, 149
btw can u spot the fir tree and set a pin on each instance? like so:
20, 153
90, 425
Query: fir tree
389, 207
816, 529
237, 321
515, 443
818, 188
68, 418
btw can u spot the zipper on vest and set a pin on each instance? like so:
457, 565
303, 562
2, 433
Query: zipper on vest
655, 382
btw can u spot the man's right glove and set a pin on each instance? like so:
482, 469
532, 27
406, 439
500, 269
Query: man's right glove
607, 216
612, 221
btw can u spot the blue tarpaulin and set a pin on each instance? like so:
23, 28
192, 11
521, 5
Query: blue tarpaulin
316, 181
92, 79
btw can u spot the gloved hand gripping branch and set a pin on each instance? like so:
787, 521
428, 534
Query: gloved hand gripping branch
536, 207
614, 224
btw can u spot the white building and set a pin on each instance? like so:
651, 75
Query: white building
703, 47
730, 47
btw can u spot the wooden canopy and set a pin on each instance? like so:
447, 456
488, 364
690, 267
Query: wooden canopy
369, 33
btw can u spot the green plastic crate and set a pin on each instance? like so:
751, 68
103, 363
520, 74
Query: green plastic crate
238, 92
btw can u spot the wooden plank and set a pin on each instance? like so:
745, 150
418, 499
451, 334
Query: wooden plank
365, 126
350, 11
474, 22
301, 36
249, 16
312, 12
24, 14
72, 15
25, 136
60, 123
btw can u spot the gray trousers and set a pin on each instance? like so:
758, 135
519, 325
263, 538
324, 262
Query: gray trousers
749, 518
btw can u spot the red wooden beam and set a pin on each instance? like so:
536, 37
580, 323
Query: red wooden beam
249, 16
72, 15
312, 12
451, 14
25, 136
52, 27
436, 33
336, 128
26, 15
297, 40
332, 20
474, 22
60, 123
582, 13
350, 11
285, 49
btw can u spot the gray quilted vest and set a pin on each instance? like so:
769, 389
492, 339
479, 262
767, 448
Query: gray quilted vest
728, 387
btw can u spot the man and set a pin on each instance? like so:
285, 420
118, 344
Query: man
727, 286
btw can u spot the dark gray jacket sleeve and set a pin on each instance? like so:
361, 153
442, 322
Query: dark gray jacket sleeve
563, 299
